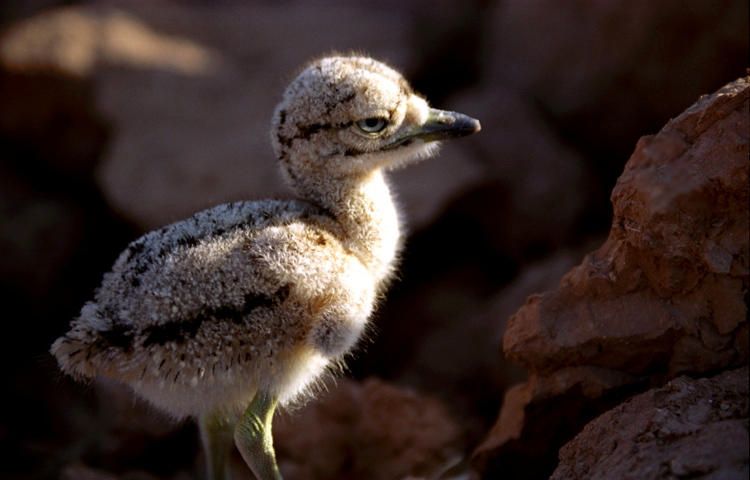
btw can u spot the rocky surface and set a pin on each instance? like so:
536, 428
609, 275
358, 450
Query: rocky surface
666, 293
667, 290
686, 429
541, 414
117, 116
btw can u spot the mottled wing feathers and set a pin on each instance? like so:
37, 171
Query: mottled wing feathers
169, 283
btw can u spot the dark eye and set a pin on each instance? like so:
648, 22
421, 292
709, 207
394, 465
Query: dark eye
372, 126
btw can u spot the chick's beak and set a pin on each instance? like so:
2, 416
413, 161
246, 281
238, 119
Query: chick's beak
442, 125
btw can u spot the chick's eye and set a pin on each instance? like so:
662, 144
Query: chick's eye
372, 126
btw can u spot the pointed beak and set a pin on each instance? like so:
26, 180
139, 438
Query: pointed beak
443, 125
440, 125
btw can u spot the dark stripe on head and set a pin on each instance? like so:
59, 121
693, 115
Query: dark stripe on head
283, 141
307, 131
353, 152
304, 132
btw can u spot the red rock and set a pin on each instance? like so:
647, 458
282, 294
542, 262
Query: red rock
372, 430
542, 414
666, 292
686, 429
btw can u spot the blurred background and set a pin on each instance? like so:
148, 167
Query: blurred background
118, 117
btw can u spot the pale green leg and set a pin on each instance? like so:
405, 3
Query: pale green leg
253, 437
218, 440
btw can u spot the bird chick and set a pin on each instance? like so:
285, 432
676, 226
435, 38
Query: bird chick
242, 307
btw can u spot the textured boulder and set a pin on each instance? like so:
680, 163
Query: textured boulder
686, 429
667, 290
464, 354
542, 414
665, 294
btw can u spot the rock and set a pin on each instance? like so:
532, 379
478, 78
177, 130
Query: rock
659, 298
666, 292
540, 415
76, 41
371, 430
463, 354
686, 429
540, 276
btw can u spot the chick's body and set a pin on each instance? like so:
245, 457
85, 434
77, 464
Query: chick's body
249, 302
200, 314
195, 321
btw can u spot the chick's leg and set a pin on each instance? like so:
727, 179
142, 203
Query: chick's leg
217, 437
253, 437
